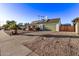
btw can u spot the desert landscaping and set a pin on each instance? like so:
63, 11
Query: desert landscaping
42, 43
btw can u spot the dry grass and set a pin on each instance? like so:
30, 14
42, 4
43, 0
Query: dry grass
53, 46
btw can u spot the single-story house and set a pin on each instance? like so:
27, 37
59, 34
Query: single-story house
49, 24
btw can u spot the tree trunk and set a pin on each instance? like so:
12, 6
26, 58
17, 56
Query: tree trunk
15, 31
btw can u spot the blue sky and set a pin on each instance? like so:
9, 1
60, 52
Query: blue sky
28, 12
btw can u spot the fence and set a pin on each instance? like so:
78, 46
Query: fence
67, 28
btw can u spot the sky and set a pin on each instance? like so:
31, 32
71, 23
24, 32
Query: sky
28, 12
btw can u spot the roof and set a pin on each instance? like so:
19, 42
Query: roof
76, 19
55, 20
65, 24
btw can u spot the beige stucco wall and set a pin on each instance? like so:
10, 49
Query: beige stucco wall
57, 27
77, 28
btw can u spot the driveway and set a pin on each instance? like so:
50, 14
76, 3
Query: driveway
11, 45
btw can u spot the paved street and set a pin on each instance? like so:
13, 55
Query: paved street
12, 47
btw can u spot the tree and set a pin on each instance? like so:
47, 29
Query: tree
11, 25
26, 24
20, 25
5, 26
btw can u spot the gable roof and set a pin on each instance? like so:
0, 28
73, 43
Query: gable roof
76, 19
55, 20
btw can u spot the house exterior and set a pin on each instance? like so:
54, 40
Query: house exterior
76, 24
49, 24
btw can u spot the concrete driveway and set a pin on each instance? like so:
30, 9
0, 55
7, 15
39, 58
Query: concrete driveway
11, 45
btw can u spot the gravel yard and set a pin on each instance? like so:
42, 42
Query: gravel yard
53, 46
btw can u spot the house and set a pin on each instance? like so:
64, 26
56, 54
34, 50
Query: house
49, 24
76, 24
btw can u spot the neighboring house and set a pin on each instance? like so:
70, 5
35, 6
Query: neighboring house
76, 24
71, 28
49, 24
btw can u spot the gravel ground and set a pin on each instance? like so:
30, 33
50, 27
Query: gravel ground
54, 46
